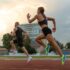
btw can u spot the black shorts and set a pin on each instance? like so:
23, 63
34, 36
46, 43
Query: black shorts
46, 31
19, 42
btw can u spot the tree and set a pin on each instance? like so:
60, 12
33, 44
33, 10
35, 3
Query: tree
6, 41
60, 44
67, 45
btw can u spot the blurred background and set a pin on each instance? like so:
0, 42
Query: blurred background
16, 10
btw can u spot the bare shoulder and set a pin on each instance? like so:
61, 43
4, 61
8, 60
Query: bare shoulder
37, 16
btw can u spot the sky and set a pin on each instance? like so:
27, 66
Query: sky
16, 10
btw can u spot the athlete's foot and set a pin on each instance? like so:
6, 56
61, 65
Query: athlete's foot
47, 50
63, 59
29, 59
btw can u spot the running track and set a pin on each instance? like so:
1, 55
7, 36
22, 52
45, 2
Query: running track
34, 65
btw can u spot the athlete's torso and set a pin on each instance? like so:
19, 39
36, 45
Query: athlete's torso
42, 20
19, 32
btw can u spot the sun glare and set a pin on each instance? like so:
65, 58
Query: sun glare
2, 26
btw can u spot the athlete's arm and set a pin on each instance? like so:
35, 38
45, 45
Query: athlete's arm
14, 31
25, 34
32, 19
54, 23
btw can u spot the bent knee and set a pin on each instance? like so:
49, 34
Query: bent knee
37, 39
50, 39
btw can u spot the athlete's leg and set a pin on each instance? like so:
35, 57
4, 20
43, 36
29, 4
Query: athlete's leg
51, 40
26, 52
13, 47
40, 42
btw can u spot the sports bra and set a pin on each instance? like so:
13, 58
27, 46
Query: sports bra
43, 22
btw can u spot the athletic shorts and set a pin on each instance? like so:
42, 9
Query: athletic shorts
46, 31
19, 42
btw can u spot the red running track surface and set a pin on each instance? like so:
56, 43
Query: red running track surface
34, 65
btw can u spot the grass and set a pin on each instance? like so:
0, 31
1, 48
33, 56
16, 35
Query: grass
19, 57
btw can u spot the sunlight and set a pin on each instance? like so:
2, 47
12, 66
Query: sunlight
3, 26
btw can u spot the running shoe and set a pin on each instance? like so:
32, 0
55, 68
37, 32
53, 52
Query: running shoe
47, 49
63, 59
29, 59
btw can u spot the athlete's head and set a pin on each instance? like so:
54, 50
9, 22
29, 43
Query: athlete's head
40, 10
16, 24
